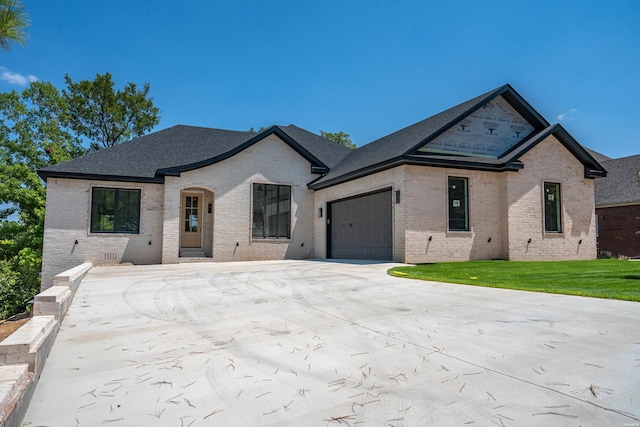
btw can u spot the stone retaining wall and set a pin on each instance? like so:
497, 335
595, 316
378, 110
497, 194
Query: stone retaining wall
23, 353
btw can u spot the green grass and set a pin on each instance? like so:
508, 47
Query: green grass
602, 278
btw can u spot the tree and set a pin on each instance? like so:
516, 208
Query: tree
38, 128
33, 134
105, 116
339, 137
13, 21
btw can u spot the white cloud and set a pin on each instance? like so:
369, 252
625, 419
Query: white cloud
565, 115
15, 78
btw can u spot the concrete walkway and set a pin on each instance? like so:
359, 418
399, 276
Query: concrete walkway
326, 343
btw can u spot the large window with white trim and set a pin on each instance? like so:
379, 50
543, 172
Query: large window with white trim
458, 192
271, 211
552, 208
115, 210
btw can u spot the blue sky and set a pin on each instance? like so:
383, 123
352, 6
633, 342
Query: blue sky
367, 68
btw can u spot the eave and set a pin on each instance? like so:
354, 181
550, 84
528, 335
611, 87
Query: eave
592, 169
418, 160
96, 177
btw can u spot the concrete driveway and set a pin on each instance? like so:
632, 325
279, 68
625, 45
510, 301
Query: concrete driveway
329, 343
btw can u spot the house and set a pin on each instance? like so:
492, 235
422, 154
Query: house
489, 178
618, 207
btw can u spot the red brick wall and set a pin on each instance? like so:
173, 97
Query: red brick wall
617, 230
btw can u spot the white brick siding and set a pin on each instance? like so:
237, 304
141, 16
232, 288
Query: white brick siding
393, 178
67, 217
549, 161
506, 207
427, 215
269, 161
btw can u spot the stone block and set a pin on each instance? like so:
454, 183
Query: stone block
53, 294
28, 336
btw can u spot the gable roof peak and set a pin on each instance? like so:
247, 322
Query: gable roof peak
402, 145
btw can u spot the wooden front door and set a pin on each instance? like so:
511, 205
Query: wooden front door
191, 229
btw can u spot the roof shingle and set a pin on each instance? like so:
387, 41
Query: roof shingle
621, 186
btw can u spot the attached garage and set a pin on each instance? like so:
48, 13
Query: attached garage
361, 227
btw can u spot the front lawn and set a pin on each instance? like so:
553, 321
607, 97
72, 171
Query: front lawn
602, 278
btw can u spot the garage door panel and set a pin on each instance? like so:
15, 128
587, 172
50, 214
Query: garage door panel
360, 227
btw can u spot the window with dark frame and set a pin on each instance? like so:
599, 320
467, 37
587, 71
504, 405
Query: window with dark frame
115, 210
271, 211
458, 192
552, 208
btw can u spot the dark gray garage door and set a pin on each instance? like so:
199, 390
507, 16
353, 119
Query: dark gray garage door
360, 227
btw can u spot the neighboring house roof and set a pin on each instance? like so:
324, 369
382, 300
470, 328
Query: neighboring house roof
181, 148
621, 186
403, 146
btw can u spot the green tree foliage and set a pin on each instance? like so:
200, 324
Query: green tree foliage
41, 127
339, 137
34, 133
13, 21
107, 117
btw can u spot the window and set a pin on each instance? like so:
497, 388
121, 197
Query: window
552, 208
458, 204
115, 210
271, 211
191, 214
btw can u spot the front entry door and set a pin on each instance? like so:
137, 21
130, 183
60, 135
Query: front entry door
191, 220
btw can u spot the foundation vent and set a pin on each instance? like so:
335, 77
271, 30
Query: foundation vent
110, 256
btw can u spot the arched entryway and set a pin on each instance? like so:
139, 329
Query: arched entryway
196, 223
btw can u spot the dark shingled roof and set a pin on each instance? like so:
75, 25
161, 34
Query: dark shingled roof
620, 187
598, 156
181, 148
401, 147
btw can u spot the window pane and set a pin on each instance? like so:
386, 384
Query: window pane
271, 211
284, 207
458, 204
258, 210
128, 211
115, 210
552, 208
102, 210
193, 221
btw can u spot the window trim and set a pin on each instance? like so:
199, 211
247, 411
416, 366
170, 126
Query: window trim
290, 229
116, 189
468, 205
560, 207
